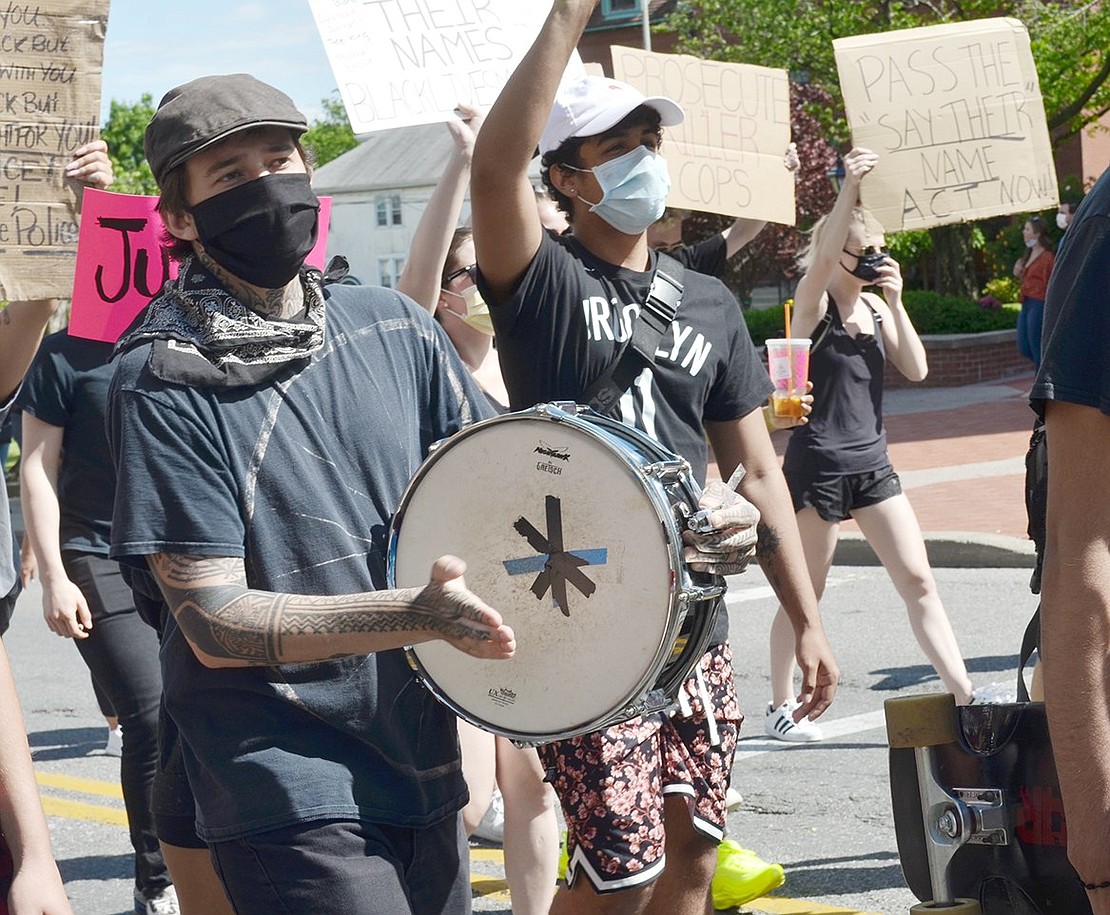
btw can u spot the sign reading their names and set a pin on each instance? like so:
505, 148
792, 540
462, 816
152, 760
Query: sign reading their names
405, 62
727, 155
121, 263
956, 115
50, 69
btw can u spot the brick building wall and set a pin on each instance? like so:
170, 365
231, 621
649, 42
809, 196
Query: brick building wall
958, 359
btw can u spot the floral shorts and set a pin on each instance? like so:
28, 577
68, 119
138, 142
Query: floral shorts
611, 783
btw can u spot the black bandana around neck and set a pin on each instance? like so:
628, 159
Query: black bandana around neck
205, 337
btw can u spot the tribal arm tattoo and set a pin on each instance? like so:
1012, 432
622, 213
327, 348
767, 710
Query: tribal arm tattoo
229, 624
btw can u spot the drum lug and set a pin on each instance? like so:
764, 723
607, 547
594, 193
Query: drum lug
666, 471
564, 407
696, 593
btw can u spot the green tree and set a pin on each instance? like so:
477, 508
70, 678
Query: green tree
331, 136
123, 132
1070, 42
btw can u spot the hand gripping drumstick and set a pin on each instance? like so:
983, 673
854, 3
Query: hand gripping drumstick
700, 521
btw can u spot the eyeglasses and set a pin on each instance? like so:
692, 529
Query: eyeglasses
868, 249
470, 271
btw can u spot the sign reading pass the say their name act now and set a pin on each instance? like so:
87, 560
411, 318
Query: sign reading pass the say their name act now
727, 155
404, 62
956, 116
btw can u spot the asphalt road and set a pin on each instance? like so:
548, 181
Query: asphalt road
821, 810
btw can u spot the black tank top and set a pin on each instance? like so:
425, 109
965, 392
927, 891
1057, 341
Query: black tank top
845, 430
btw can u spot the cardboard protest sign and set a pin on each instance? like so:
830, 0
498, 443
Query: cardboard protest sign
121, 263
405, 62
956, 116
727, 156
50, 71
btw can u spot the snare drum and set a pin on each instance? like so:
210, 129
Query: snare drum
570, 525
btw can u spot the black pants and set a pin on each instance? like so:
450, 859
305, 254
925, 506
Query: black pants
348, 867
121, 653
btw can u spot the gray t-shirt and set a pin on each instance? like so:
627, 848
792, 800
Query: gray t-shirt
299, 475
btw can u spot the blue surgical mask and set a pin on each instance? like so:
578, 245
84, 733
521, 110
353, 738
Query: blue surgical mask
634, 190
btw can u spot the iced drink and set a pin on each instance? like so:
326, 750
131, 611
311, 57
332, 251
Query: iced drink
788, 365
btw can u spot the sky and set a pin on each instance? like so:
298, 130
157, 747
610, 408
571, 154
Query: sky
150, 48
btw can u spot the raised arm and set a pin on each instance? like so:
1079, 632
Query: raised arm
810, 300
431, 241
21, 328
229, 624
507, 229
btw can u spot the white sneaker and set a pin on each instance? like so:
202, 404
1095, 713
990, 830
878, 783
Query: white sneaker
733, 798
779, 724
492, 826
114, 745
165, 903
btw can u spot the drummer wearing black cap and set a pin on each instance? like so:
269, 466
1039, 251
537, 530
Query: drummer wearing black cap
264, 427
644, 801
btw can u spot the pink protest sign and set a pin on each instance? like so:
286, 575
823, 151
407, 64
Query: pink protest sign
121, 263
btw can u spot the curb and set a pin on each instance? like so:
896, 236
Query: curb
948, 549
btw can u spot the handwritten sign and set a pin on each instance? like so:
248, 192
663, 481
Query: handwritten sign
956, 115
727, 156
50, 68
121, 263
405, 62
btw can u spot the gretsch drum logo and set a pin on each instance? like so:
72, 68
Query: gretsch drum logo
549, 454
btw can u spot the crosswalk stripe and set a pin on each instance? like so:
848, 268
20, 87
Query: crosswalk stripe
837, 727
776, 906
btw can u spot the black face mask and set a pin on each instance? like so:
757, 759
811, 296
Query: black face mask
260, 231
867, 264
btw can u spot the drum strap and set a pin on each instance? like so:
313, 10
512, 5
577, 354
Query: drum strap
656, 314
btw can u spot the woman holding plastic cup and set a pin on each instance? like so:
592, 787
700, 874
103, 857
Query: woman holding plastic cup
837, 464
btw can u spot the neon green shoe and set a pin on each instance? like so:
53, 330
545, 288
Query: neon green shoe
742, 876
564, 858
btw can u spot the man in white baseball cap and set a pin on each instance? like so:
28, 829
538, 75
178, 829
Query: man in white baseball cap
562, 308
593, 104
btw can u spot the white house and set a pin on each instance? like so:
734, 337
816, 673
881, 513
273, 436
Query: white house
379, 190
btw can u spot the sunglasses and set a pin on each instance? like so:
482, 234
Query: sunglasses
470, 271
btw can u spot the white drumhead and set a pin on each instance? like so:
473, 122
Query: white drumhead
568, 671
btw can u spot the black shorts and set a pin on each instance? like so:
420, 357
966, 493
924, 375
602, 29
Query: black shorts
837, 495
172, 802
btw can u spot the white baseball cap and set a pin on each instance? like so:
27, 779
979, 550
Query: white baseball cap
591, 105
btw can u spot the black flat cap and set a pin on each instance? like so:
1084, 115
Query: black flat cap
209, 109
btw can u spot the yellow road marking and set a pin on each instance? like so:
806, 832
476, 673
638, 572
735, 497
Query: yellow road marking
81, 785
75, 810
480, 884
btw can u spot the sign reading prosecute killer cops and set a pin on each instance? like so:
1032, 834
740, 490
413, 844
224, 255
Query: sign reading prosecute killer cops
956, 116
405, 62
727, 155
50, 70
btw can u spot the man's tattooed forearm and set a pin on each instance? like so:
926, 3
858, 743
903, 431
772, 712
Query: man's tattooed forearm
768, 541
224, 619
